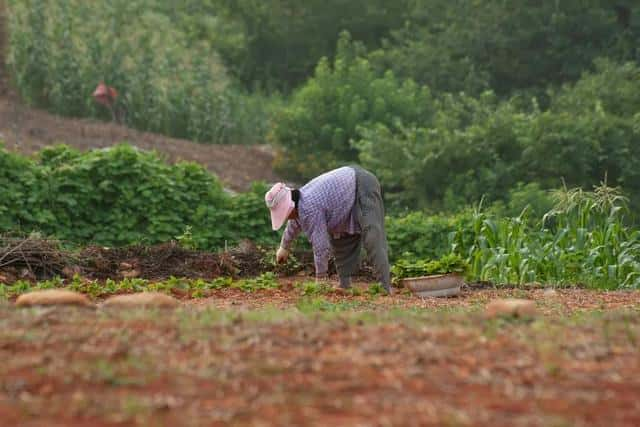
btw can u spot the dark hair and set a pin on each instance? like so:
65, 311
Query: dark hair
295, 196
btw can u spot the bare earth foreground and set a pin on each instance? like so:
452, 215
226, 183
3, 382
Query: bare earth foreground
276, 357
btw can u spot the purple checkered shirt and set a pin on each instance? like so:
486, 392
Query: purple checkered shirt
325, 209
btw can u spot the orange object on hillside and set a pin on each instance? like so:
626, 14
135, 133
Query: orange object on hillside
105, 95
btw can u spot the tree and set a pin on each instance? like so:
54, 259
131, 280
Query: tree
508, 46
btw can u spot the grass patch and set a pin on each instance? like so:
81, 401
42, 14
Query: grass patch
313, 305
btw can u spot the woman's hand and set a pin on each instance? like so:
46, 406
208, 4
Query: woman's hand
281, 255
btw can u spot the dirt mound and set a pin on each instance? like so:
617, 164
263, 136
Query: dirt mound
152, 262
511, 307
52, 297
142, 299
32, 258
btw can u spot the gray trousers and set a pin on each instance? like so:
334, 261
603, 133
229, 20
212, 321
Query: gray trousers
369, 212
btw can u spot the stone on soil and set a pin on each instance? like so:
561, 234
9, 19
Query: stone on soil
510, 308
53, 297
142, 299
130, 274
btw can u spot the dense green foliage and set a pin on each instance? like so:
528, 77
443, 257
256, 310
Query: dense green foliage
446, 101
169, 81
584, 239
121, 196
417, 235
448, 151
507, 46
284, 39
179, 65
450, 263
323, 118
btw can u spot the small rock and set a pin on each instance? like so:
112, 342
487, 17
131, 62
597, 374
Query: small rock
550, 293
510, 308
130, 274
53, 297
125, 266
142, 299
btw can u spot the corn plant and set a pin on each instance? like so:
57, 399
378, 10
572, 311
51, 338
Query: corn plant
583, 240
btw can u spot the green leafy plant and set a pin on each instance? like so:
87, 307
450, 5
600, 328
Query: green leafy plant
264, 281
376, 289
121, 195
451, 263
186, 239
313, 288
196, 288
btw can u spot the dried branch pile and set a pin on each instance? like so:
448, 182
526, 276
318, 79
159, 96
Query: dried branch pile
151, 262
33, 257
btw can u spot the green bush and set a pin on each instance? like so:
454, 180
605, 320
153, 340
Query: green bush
472, 148
450, 263
121, 195
507, 47
281, 41
245, 216
318, 127
468, 149
19, 183
417, 235
448, 152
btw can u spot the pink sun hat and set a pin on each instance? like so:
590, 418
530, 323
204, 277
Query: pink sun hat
279, 202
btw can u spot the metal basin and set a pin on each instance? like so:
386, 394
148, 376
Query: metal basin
440, 285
